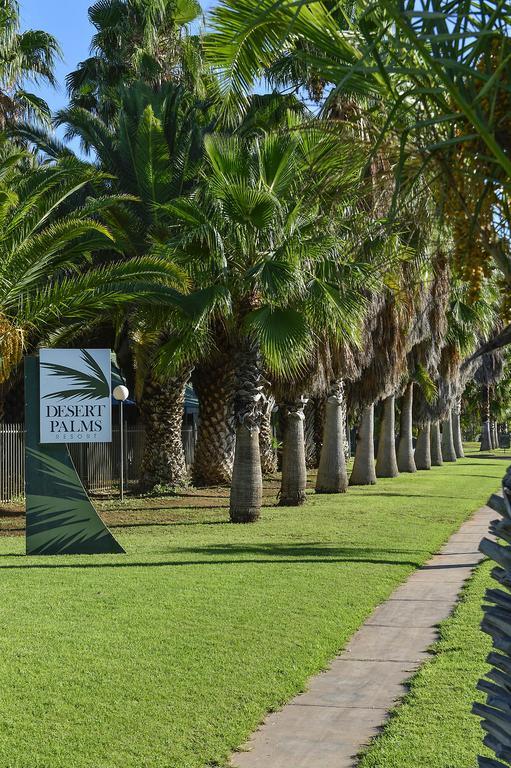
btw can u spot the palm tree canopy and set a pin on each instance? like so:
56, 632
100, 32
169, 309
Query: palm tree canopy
24, 56
434, 76
268, 255
152, 150
142, 40
48, 275
431, 55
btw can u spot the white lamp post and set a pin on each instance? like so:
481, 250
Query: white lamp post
121, 393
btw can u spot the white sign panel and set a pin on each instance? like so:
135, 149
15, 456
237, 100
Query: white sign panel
75, 396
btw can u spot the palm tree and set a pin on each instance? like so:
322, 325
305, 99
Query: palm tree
338, 363
424, 360
403, 339
294, 467
333, 362
472, 405
405, 454
364, 472
426, 453
448, 451
153, 152
422, 455
386, 461
267, 446
383, 365
274, 263
489, 371
136, 41
322, 379
343, 367
436, 445
332, 473
162, 407
465, 323
456, 429
49, 279
264, 113
469, 322
24, 57
213, 382
214, 377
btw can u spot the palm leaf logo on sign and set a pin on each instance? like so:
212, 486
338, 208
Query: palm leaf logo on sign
90, 384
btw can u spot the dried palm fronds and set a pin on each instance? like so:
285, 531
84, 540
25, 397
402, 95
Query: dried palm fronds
12, 343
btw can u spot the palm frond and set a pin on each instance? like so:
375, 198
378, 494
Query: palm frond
83, 386
283, 336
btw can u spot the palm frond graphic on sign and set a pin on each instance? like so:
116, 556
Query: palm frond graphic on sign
89, 384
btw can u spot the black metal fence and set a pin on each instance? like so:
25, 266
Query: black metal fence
98, 465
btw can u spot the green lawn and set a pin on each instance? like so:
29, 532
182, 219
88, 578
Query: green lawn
171, 655
434, 726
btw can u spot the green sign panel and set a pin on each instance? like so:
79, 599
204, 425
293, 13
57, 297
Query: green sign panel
61, 519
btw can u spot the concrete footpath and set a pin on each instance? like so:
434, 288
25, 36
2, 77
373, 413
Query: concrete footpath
345, 707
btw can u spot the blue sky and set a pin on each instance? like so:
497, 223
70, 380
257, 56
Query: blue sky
67, 21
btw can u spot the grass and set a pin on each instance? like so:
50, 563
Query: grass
169, 657
434, 726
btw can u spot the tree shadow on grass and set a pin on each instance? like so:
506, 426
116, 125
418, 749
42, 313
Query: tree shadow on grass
478, 456
486, 477
175, 508
6, 532
298, 550
240, 555
386, 494
169, 524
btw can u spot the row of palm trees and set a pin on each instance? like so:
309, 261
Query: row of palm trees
267, 252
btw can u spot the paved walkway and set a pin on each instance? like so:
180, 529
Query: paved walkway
344, 707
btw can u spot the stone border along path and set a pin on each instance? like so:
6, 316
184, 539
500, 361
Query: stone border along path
346, 706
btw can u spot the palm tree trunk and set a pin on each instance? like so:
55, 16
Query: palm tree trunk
495, 435
363, 472
294, 469
162, 409
456, 431
247, 479
314, 421
347, 434
332, 475
405, 457
436, 445
423, 447
486, 437
486, 440
386, 463
214, 385
448, 452
266, 442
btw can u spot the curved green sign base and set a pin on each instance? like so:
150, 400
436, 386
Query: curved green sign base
61, 519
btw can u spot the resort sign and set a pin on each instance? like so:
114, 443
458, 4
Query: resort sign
75, 396
67, 400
